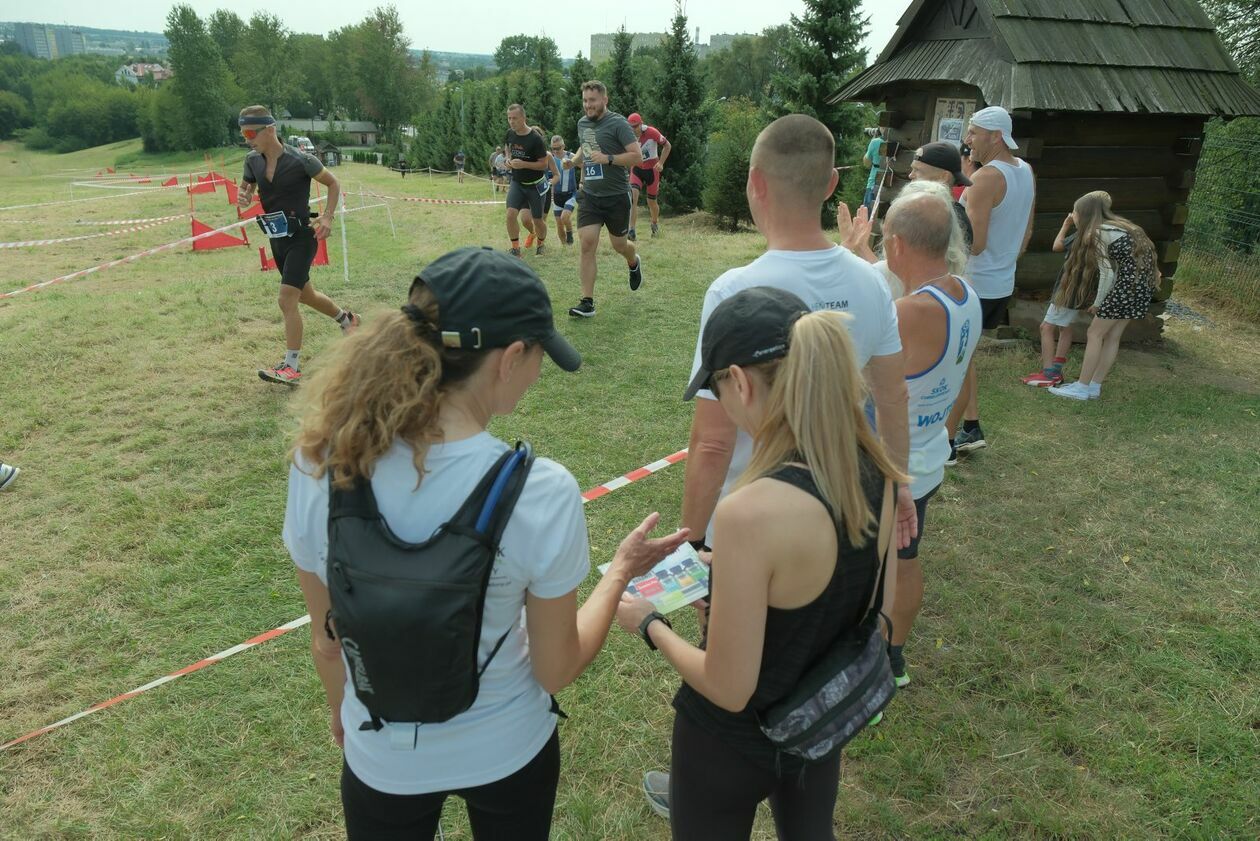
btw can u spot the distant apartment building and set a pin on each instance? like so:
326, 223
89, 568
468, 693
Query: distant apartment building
43, 41
131, 74
602, 43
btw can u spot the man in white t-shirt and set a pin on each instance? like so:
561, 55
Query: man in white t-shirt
792, 172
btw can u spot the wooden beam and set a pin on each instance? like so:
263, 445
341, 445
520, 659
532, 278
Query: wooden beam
1183, 180
1108, 161
1060, 194
1046, 225
1030, 148
1191, 146
1114, 129
891, 119
1177, 214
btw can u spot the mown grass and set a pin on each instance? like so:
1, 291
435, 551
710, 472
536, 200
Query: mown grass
1085, 665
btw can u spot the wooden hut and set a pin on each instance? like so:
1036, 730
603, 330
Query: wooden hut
329, 154
1105, 95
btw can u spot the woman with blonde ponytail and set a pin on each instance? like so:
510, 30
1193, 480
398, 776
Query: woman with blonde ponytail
399, 418
794, 565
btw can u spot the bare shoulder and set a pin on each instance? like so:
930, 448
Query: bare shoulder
767, 501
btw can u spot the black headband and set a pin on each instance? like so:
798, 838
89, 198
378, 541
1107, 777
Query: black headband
256, 120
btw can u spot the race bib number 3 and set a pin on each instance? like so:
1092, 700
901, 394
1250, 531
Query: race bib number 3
275, 225
593, 172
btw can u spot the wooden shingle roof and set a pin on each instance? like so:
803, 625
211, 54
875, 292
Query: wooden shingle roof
1140, 56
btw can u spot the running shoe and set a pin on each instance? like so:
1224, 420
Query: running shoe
584, 309
636, 274
874, 722
515, 252
529, 241
349, 323
953, 455
965, 441
282, 373
902, 680
8, 473
1073, 391
568, 238
630, 235
1043, 380
539, 251
656, 790
655, 230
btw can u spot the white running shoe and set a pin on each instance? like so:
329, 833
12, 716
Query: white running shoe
656, 789
8, 473
1075, 391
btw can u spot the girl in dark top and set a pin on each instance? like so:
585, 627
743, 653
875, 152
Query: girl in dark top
793, 567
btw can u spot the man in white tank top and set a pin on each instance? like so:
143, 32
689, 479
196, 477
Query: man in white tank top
1000, 208
939, 319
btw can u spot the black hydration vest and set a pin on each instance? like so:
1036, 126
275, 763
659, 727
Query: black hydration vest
408, 615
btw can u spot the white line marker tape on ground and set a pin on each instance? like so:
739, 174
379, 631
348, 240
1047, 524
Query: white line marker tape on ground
592, 494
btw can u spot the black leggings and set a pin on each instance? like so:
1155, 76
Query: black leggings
515, 808
714, 792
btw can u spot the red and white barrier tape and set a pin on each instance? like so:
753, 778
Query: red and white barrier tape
428, 201
593, 494
128, 221
75, 201
33, 242
132, 258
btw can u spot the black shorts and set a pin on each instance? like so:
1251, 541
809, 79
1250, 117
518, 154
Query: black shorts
613, 212
294, 255
920, 508
646, 179
559, 200
521, 196
993, 312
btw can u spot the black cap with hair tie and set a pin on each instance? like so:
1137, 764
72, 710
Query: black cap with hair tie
425, 328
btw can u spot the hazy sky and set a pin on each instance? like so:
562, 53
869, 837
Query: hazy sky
472, 26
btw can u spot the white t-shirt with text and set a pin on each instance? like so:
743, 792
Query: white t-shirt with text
544, 551
829, 279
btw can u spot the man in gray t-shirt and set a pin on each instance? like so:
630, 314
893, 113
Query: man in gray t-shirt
608, 150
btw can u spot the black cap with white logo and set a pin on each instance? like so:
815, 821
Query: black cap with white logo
747, 328
946, 156
487, 299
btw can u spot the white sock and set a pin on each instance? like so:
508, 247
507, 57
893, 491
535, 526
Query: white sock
291, 359
340, 316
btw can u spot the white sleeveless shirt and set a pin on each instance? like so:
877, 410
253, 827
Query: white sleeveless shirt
933, 391
992, 272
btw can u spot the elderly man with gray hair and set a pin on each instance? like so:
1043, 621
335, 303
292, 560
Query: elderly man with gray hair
939, 318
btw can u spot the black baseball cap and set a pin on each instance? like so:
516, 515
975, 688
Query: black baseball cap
944, 156
748, 328
488, 299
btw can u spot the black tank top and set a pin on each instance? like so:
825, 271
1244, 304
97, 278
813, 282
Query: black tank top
796, 638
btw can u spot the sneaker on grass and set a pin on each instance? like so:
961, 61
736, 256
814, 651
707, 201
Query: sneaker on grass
349, 323
8, 473
515, 252
636, 274
953, 455
568, 237
1042, 380
584, 309
283, 374
655, 229
540, 250
656, 790
967, 440
1073, 391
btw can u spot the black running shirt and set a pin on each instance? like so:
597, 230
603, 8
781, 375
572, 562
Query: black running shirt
290, 188
525, 147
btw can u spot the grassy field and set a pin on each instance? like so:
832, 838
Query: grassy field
1087, 664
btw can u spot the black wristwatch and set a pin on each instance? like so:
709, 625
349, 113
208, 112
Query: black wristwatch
610, 160
648, 620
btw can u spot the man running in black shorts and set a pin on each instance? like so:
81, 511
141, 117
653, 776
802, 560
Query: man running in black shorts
609, 148
282, 175
527, 159
647, 176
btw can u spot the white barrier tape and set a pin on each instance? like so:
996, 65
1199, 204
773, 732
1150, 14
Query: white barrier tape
593, 494
128, 221
427, 201
75, 201
34, 242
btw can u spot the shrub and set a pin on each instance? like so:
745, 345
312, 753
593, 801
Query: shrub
726, 170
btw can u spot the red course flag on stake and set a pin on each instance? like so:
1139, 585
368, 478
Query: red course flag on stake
219, 240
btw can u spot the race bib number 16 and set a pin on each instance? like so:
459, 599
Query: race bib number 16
593, 172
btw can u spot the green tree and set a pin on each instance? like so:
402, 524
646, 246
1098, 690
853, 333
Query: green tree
265, 65
747, 67
545, 96
683, 117
623, 96
1238, 24
726, 168
825, 50
14, 114
388, 88
227, 29
200, 84
520, 52
581, 70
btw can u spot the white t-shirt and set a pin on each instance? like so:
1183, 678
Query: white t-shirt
544, 551
831, 279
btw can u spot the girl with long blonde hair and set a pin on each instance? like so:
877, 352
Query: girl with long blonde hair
794, 565
1111, 271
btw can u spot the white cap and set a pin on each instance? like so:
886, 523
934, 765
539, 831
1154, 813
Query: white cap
995, 118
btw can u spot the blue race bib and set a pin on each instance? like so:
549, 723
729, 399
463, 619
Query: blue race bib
275, 225
592, 172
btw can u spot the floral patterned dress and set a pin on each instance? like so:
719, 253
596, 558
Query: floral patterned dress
1130, 295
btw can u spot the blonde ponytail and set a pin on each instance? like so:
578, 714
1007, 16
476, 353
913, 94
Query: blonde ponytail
815, 413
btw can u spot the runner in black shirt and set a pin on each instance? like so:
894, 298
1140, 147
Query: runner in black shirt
528, 161
282, 175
